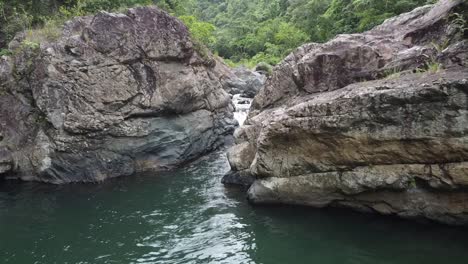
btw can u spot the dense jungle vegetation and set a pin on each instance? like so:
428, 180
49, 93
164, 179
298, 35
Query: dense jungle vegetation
241, 31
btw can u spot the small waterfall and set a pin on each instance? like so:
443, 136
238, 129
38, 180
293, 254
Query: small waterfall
242, 105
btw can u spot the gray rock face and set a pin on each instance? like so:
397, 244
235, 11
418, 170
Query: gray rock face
113, 95
245, 82
6, 163
363, 122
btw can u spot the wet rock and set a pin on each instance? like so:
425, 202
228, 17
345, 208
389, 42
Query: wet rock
238, 178
115, 94
364, 121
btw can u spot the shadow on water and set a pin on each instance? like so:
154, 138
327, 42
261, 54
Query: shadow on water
188, 216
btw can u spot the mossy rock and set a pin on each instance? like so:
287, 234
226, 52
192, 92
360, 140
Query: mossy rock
264, 67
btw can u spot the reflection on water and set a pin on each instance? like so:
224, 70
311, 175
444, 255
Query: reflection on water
202, 229
187, 216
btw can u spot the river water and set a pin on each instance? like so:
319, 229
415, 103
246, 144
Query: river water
188, 216
242, 106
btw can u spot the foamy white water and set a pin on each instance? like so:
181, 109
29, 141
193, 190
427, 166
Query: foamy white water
242, 105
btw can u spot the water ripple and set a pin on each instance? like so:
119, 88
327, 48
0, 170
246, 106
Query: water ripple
188, 216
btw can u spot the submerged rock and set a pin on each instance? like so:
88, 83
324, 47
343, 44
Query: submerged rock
113, 95
377, 122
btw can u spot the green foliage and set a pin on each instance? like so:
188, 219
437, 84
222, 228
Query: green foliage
41, 20
265, 67
31, 45
334, 17
202, 50
440, 47
243, 31
264, 57
308, 15
177, 7
18, 21
433, 67
5, 52
255, 30
289, 37
201, 31
50, 31
460, 23
393, 73
252, 31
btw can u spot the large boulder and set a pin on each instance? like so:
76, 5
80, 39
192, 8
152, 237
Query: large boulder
245, 82
114, 94
377, 122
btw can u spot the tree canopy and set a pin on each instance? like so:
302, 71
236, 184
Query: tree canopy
242, 31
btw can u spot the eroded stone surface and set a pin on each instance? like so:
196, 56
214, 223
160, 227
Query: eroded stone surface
361, 122
113, 95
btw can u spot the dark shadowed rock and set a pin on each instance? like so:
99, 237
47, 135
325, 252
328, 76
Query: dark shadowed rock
374, 121
245, 82
113, 95
6, 162
238, 178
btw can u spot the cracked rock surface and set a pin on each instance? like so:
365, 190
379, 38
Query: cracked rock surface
115, 94
363, 122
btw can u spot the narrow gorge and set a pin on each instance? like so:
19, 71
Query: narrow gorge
125, 139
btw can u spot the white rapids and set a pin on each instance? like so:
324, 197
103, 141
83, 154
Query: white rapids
242, 105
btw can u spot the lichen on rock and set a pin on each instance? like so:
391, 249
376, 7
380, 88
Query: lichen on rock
115, 94
375, 121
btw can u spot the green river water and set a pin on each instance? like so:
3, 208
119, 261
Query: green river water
188, 216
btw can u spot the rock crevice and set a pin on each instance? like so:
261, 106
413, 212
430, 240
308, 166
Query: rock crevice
113, 95
376, 121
